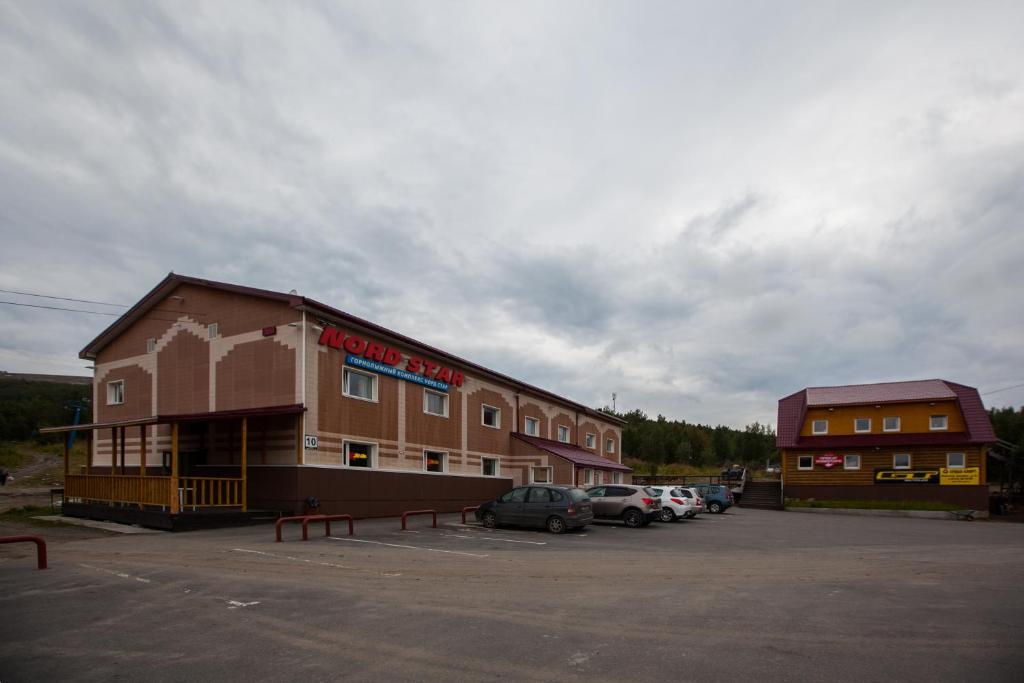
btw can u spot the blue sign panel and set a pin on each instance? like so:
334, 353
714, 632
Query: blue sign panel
374, 366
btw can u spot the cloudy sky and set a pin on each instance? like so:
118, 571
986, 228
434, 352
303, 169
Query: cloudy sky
700, 206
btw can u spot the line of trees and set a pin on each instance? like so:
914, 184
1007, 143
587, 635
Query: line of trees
25, 406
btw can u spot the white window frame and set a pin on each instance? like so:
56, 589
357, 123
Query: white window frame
151, 345
609, 445
497, 466
961, 466
497, 416
598, 477
846, 461
886, 428
591, 440
588, 476
810, 459
444, 402
443, 458
945, 423
861, 431
909, 465
374, 449
373, 384
568, 434
527, 421
212, 330
814, 427
616, 477
111, 390
550, 477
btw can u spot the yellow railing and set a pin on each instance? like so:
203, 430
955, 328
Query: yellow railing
192, 492
206, 492
118, 489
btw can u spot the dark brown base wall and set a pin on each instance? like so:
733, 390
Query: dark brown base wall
968, 497
367, 493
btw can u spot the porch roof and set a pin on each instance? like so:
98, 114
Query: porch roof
291, 409
574, 454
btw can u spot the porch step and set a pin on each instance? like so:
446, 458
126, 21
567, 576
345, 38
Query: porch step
766, 495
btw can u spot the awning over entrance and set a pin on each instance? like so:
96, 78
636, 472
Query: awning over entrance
574, 454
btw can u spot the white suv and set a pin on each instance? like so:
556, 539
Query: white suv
678, 502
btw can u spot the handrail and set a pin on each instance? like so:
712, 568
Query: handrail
470, 508
326, 519
40, 547
419, 512
282, 520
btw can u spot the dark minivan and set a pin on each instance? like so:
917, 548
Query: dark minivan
555, 508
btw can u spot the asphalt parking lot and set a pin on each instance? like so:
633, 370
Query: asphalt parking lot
748, 595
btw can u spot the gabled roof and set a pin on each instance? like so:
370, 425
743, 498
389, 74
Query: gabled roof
793, 411
573, 454
169, 283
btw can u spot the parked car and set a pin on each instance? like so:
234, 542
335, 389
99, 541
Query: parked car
555, 508
717, 498
678, 502
634, 505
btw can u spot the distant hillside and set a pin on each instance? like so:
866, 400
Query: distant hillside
28, 402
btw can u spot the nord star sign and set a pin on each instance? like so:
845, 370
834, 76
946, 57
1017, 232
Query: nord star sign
386, 360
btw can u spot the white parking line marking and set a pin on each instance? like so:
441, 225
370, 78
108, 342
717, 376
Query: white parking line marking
235, 604
408, 547
488, 538
117, 574
289, 557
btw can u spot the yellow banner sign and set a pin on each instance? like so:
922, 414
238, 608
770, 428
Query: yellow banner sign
961, 476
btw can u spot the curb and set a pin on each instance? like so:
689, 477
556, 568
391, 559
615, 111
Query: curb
918, 514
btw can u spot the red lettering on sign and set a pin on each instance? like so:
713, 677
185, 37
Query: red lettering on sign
392, 357
374, 351
457, 378
331, 336
355, 345
443, 375
429, 367
414, 364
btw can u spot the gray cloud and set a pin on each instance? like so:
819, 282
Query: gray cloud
701, 208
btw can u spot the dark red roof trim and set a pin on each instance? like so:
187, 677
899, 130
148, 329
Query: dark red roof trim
573, 454
293, 409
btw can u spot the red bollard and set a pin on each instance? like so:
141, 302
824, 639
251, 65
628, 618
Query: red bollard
40, 546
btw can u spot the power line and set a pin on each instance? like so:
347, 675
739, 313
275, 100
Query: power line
57, 308
61, 298
996, 391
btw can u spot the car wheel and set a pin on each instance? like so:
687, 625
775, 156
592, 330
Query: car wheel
556, 525
715, 507
668, 515
690, 514
633, 518
489, 520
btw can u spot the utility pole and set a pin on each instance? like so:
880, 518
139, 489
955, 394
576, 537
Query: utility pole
614, 396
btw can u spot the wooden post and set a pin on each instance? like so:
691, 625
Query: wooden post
245, 433
174, 468
142, 450
113, 450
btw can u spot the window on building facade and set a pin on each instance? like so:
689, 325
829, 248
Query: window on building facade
532, 426
938, 423
901, 461
115, 393
819, 427
609, 446
356, 384
435, 403
490, 416
588, 476
591, 441
851, 462
616, 477
563, 433
150, 345
360, 454
956, 460
212, 330
862, 424
805, 462
490, 467
891, 424
540, 475
598, 477
435, 461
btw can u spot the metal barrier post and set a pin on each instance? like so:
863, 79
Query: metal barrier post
419, 512
40, 547
471, 508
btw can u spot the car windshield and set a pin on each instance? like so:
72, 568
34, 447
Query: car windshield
651, 492
579, 495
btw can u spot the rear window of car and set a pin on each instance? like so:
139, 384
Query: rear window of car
658, 492
578, 495
651, 492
